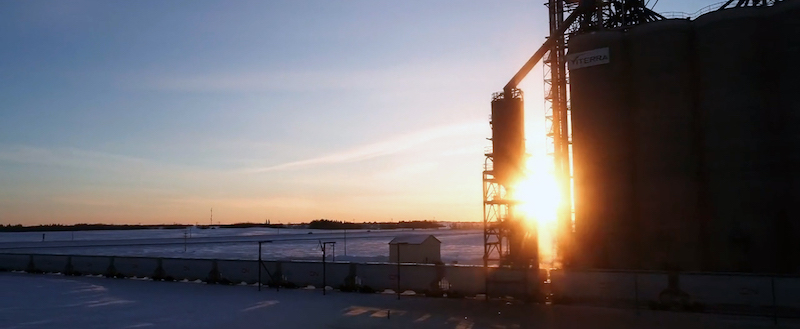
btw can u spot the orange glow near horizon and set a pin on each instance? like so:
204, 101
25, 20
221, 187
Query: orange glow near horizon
540, 198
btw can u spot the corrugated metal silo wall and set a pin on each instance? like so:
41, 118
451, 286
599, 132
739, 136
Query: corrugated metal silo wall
602, 151
784, 45
739, 140
665, 152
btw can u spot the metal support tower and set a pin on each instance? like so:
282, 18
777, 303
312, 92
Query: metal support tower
494, 212
557, 119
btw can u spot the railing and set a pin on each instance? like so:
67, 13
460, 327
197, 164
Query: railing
698, 13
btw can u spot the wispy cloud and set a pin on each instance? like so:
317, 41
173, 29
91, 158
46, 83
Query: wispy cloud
86, 201
98, 161
403, 172
238, 203
416, 77
70, 157
391, 146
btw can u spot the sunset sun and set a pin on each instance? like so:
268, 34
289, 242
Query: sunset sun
539, 198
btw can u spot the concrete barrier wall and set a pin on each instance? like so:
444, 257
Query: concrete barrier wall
602, 287
90, 264
12, 262
711, 290
467, 280
190, 269
337, 274
136, 266
593, 287
787, 292
612, 287
377, 276
274, 269
239, 270
650, 286
419, 277
513, 282
728, 290
50, 263
306, 273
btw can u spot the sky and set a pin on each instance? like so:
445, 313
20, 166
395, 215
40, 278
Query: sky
157, 111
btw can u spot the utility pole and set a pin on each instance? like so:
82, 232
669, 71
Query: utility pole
324, 263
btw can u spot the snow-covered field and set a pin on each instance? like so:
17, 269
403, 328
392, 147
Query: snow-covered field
461, 246
53, 301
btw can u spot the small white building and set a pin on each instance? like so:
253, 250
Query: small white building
424, 249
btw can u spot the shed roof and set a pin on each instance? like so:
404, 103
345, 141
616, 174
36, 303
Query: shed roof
413, 239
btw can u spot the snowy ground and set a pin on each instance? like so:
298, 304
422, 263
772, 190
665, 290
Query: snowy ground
52, 301
462, 246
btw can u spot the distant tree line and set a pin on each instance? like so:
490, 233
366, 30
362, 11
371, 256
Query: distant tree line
466, 225
244, 225
327, 224
320, 224
421, 224
85, 227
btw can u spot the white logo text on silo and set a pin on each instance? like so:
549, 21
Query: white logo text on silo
588, 58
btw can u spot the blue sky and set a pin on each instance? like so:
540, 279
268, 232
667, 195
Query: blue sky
156, 111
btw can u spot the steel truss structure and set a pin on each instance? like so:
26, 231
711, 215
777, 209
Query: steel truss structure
557, 117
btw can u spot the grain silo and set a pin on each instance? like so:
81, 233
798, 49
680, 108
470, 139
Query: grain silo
738, 139
508, 137
784, 43
664, 135
686, 143
508, 240
602, 149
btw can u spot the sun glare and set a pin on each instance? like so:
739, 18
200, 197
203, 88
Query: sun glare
539, 198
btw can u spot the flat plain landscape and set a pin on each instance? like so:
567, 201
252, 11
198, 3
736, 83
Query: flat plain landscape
458, 246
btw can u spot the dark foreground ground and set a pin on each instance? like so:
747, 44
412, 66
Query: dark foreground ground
54, 301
